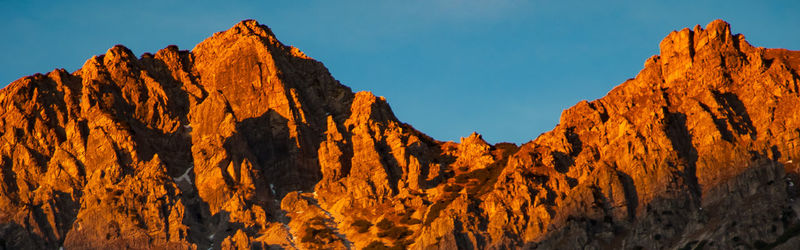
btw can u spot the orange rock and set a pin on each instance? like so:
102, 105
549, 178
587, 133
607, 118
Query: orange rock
244, 142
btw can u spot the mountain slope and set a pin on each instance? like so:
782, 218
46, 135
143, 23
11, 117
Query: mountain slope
245, 142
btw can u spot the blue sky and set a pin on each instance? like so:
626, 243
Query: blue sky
503, 68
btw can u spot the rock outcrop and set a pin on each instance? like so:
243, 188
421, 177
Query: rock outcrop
244, 142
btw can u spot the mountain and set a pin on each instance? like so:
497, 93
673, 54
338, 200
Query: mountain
244, 142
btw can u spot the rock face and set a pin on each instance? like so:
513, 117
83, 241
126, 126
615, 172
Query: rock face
244, 142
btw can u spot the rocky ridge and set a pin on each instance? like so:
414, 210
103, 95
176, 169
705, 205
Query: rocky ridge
244, 142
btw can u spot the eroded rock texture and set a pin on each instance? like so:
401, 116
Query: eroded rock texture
244, 142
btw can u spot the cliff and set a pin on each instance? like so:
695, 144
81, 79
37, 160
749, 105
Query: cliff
244, 142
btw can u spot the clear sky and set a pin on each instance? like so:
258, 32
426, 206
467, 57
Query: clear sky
503, 68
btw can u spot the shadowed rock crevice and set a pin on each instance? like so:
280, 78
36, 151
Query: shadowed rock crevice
562, 161
681, 141
720, 123
631, 197
257, 142
736, 114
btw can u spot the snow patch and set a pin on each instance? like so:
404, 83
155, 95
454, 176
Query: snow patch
185, 176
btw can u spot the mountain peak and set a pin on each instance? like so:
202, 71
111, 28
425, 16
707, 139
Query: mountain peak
719, 26
245, 33
682, 49
251, 26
